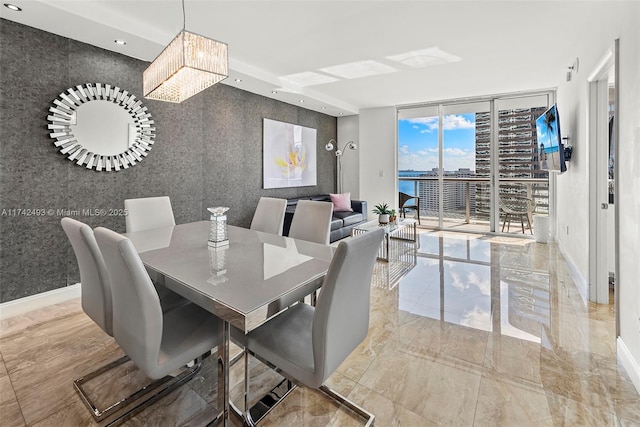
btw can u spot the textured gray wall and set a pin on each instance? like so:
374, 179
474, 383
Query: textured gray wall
208, 152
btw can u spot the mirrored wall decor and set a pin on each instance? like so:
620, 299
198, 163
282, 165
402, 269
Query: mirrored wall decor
101, 127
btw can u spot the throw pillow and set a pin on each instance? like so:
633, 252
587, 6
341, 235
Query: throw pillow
341, 202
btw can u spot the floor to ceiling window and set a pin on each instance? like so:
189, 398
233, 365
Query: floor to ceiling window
474, 163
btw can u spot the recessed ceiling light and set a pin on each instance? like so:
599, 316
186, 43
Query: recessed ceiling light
120, 42
238, 80
13, 7
323, 108
274, 91
302, 100
340, 114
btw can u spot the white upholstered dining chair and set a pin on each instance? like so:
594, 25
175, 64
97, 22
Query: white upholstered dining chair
148, 212
94, 278
269, 215
96, 299
312, 221
158, 343
307, 344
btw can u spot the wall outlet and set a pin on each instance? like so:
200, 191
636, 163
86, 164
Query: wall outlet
567, 230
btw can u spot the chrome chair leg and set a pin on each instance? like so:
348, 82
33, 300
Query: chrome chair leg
253, 415
98, 414
161, 387
330, 393
368, 416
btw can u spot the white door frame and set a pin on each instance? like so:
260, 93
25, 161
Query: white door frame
598, 128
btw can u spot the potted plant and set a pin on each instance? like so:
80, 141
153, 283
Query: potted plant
383, 211
392, 215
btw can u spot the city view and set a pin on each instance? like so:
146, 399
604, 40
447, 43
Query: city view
466, 161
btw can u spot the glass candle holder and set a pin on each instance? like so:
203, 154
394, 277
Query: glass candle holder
218, 228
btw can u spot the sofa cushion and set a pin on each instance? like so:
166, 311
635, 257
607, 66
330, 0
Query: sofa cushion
336, 223
294, 202
341, 223
341, 202
348, 218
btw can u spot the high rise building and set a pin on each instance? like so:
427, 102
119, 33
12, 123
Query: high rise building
517, 158
454, 194
517, 155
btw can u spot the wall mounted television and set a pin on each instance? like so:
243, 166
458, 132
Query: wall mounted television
550, 147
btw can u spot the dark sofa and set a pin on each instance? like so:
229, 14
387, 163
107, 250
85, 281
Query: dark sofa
342, 222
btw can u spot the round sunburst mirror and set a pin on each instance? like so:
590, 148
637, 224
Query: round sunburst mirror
101, 127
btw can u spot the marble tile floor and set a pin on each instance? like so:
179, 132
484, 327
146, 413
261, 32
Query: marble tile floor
482, 331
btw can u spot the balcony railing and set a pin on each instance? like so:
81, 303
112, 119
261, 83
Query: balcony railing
467, 200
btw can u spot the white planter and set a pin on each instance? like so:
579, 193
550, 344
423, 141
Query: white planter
383, 219
541, 228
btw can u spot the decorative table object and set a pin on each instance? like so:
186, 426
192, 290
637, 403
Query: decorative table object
383, 212
218, 265
218, 236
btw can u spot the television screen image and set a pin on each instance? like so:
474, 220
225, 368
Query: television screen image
550, 147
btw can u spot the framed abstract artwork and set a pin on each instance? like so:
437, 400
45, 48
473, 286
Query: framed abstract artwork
289, 155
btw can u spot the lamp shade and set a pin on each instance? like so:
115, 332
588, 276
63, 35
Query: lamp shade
189, 64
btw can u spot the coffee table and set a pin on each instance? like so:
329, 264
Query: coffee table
401, 229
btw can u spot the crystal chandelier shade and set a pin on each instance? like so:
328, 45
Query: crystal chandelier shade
189, 64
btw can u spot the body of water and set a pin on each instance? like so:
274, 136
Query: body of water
408, 186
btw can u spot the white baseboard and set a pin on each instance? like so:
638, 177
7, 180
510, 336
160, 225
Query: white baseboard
629, 363
34, 302
581, 282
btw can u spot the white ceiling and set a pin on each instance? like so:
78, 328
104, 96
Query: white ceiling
497, 46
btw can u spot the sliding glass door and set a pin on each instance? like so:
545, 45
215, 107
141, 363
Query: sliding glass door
419, 159
465, 176
523, 187
466, 160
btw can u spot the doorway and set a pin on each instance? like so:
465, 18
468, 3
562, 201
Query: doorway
603, 215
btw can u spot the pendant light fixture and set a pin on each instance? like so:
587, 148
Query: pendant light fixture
189, 64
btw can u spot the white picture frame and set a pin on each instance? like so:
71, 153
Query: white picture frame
289, 155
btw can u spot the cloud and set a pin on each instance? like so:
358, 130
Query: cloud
457, 122
457, 152
482, 283
450, 122
430, 122
477, 318
427, 158
419, 160
457, 282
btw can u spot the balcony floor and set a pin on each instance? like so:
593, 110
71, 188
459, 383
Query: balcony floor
458, 223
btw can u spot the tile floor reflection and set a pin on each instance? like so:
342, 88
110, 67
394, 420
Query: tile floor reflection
473, 331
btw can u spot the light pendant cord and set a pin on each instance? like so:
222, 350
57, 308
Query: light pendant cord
184, 18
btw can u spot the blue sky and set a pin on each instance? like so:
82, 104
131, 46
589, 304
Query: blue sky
418, 142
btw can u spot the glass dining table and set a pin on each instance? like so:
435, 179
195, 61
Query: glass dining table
240, 282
